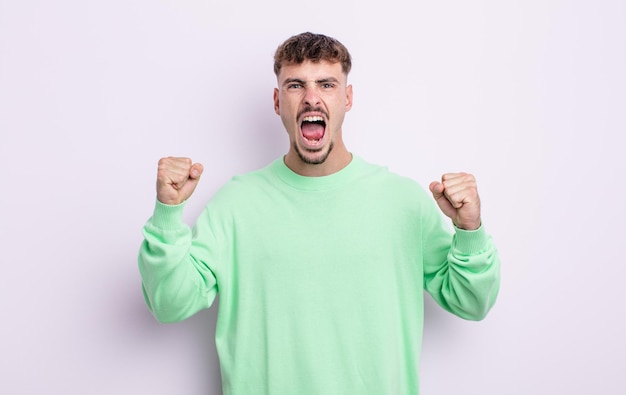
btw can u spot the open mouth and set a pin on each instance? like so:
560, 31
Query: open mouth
313, 129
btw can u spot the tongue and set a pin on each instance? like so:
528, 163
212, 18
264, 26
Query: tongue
312, 131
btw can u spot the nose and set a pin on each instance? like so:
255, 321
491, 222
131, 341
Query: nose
311, 96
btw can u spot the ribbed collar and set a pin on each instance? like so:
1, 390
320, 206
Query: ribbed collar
295, 180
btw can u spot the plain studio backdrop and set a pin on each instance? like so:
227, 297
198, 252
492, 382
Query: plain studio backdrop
530, 96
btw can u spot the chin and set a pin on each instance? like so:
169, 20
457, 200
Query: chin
314, 158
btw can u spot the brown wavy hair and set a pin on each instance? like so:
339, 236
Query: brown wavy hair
313, 47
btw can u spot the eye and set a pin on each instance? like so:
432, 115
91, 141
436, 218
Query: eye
328, 85
294, 86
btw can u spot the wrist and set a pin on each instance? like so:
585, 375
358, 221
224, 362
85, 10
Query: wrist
467, 226
167, 216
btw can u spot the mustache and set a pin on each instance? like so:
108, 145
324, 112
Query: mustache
312, 109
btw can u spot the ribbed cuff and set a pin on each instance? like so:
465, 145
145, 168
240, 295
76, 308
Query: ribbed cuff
168, 216
471, 241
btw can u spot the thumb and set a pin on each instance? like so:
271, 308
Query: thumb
186, 190
196, 171
436, 188
442, 201
194, 176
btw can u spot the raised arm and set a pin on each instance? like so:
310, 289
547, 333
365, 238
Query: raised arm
175, 283
466, 280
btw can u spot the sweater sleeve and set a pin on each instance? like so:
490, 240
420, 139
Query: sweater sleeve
176, 284
462, 271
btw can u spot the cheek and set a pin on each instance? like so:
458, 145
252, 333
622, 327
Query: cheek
289, 109
288, 122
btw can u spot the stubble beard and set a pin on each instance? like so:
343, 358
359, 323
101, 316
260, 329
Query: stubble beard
313, 161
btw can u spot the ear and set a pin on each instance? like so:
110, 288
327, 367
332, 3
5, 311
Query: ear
348, 97
276, 102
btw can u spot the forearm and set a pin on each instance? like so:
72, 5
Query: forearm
467, 283
175, 284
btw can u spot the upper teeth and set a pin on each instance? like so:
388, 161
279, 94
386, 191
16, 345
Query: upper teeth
313, 119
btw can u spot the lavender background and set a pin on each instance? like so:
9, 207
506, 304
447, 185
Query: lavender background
529, 96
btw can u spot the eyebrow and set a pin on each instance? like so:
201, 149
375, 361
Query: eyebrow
302, 82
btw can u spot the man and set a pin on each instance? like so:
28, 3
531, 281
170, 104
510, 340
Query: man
321, 259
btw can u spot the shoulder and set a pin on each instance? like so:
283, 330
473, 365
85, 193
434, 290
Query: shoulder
243, 186
380, 176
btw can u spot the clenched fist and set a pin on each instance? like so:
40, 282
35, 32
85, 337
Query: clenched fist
457, 197
177, 178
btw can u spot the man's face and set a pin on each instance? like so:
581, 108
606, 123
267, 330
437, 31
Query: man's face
312, 99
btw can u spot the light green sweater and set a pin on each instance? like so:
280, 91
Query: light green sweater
321, 279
